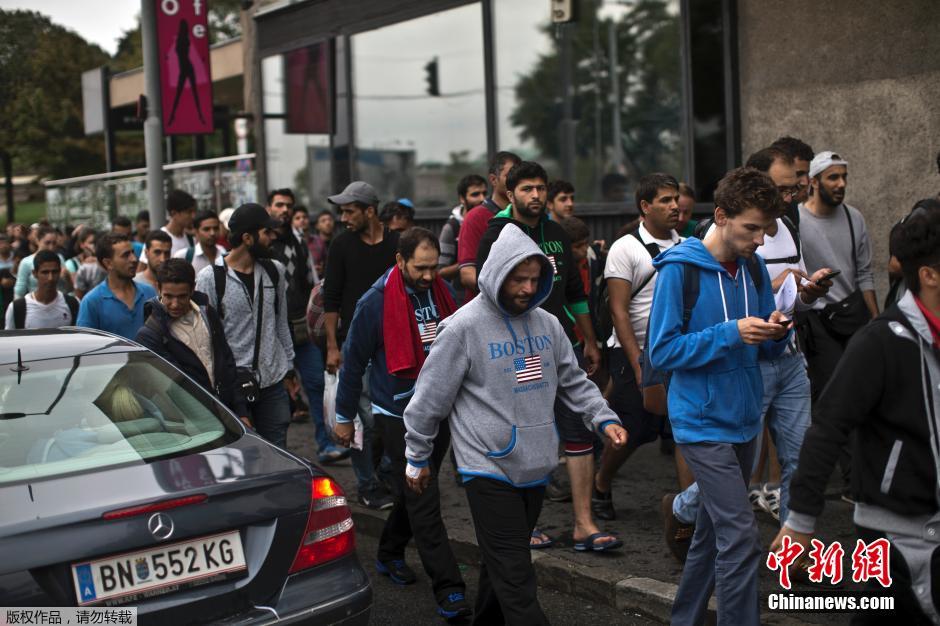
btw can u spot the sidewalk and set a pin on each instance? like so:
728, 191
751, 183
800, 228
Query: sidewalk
640, 577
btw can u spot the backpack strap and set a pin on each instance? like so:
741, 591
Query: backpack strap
690, 289
190, 253
275, 276
753, 268
848, 217
796, 241
653, 250
19, 313
73, 305
701, 229
191, 240
219, 273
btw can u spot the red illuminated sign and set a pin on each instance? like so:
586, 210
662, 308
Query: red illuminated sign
185, 75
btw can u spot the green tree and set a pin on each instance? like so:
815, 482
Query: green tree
41, 125
647, 37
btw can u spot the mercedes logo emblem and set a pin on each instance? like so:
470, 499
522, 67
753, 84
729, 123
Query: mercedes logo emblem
160, 526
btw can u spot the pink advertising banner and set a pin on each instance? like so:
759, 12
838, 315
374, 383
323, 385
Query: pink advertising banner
185, 75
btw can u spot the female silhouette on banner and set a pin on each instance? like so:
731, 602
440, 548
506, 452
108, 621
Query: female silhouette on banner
186, 72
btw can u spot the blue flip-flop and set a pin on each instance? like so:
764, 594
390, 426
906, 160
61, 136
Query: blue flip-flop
538, 534
590, 544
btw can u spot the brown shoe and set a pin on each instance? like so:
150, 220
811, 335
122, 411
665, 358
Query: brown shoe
678, 535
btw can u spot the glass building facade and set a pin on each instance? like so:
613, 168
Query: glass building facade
415, 95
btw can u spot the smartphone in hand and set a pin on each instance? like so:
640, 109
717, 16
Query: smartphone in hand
829, 276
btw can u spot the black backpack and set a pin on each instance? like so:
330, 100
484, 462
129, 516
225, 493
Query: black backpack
19, 311
221, 272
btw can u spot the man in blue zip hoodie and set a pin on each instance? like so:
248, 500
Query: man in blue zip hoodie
408, 299
494, 371
711, 344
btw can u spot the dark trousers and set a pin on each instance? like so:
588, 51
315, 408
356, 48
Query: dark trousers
823, 351
418, 516
504, 517
270, 413
915, 569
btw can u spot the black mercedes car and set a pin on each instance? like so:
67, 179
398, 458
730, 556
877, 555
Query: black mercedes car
122, 482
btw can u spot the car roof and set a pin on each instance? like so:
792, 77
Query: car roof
67, 342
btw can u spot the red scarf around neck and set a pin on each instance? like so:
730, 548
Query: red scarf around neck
404, 352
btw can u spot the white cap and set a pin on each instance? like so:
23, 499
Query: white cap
823, 161
225, 215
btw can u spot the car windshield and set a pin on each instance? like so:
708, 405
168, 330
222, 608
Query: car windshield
91, 411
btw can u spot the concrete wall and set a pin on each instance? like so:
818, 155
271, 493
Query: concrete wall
860, 77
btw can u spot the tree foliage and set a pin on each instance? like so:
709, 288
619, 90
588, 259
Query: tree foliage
41, 124
649, 106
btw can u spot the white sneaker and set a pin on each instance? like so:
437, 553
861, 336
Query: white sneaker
755, 496
770, 500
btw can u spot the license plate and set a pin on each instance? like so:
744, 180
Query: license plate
158, 570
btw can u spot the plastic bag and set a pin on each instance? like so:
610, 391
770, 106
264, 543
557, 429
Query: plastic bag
331, 383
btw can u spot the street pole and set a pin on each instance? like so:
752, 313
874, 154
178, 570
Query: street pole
615, 98
153, 126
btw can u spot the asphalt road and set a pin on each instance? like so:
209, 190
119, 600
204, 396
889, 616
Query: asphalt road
414, 604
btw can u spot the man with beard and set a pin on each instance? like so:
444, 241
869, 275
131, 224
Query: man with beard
527, 190
356, 259
825, 220
291, 250
116, 305
496, 371
393, 328
249, 291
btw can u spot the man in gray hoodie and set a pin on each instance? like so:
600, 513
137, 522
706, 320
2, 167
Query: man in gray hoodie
495, 370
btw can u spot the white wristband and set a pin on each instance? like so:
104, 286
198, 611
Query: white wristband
411, 471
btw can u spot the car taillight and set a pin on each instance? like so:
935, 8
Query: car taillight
329, 532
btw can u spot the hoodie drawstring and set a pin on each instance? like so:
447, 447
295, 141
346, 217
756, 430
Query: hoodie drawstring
515, 339
724, 304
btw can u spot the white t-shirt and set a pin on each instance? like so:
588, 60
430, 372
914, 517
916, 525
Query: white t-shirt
199, 256
179, 243
629, 260
782, 246
39, 315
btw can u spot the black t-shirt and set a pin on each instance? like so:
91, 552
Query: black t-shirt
249, 280
351, 267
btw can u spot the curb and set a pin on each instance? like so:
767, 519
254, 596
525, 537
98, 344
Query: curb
648, 597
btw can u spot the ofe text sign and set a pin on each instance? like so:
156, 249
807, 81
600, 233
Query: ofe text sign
185, 76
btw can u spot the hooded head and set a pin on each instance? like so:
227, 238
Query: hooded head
510, 249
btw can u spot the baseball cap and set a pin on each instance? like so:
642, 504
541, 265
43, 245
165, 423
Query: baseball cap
356, 191
251, 217
824, 160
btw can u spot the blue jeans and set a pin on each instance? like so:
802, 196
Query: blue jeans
362, 459
308, 359
787, 391
270, 413
724, 556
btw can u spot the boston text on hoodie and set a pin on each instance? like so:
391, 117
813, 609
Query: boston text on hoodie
716, 390
496, 375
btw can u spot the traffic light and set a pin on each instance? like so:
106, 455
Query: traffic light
431, 70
